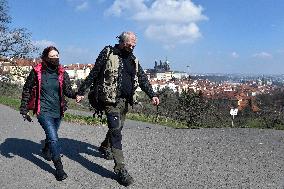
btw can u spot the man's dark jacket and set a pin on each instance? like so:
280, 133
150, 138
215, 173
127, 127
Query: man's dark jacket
100, 66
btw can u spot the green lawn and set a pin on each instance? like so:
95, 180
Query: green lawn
89, 120
15, 103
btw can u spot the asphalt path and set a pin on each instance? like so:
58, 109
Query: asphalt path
156, 156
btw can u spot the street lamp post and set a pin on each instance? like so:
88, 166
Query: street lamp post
188, 66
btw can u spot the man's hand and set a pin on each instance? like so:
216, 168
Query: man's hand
155, 101
79, 98
27, 117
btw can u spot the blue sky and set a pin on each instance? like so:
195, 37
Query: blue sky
220, 36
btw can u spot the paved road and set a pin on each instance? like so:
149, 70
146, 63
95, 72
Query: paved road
158, 157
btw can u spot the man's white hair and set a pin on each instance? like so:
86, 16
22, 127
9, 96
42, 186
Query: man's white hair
124, 36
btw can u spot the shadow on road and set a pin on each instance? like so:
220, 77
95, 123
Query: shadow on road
26, 149
70, 148
73, 150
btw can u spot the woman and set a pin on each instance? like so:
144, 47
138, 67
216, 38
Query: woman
44, 92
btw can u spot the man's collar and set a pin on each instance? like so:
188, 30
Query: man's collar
117, 51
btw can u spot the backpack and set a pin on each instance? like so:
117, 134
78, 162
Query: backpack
93, 97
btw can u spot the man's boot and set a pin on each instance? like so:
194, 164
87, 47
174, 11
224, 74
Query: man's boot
106, 152
124, 177
105, 148
46, 153
59, 172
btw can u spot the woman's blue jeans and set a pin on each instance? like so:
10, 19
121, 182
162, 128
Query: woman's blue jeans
50, 126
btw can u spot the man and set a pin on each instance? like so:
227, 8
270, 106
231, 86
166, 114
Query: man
115, 77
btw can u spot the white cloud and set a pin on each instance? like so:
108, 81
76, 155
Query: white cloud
83, 6
127, 6
168, 21
183, 11
173, 32
235, 55
43, 43
79, 5
262, 55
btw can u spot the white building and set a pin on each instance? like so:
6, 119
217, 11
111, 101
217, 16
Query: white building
170, 75
78, 71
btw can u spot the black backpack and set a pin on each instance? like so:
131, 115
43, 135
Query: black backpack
93, 97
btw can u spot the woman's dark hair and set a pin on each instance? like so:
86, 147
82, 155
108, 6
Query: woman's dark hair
45, 52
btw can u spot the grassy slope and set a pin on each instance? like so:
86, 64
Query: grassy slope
15, 103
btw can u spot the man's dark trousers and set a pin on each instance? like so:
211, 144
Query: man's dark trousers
115, 119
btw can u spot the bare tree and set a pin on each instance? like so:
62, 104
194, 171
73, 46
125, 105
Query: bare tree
15, 43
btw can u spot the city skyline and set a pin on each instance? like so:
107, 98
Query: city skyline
210, 37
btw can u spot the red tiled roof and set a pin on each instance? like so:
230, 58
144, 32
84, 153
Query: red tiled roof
26, 62
78, 66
